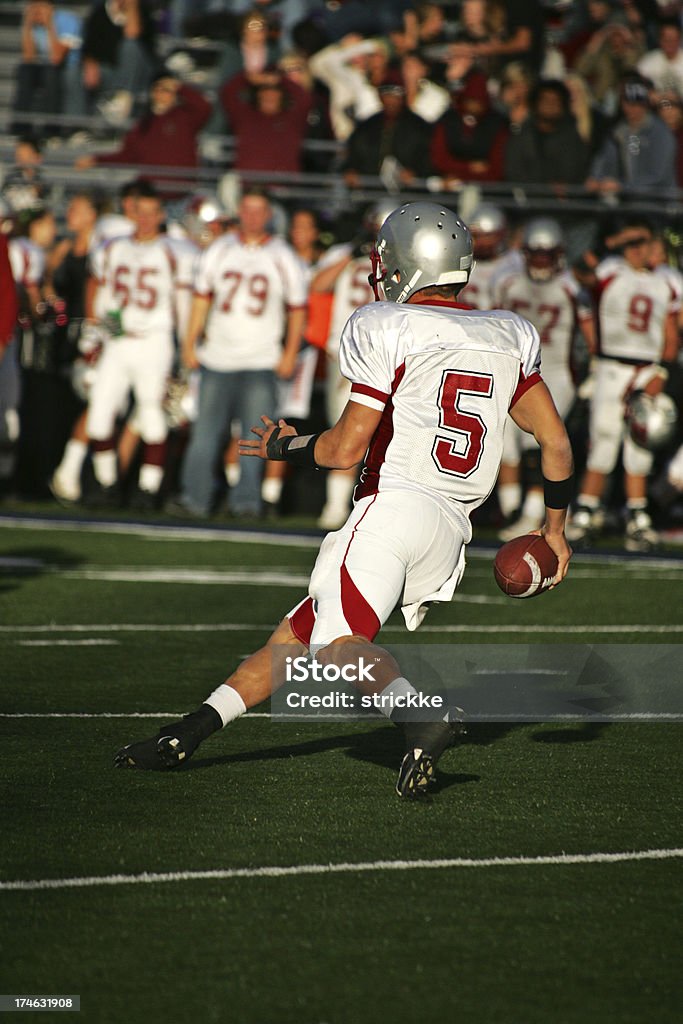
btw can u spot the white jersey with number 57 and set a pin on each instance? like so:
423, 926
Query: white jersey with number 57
445, 379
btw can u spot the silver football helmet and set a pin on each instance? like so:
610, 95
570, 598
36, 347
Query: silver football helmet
420, 245
543, 248
488, 226
652, 419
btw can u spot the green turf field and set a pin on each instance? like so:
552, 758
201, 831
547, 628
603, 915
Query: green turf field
505, 900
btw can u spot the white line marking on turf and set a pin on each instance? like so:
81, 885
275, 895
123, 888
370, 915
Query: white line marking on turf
154, 877
638, 716
69, 643
236, 627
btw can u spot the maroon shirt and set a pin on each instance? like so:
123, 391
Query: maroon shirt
165, 140
266, 142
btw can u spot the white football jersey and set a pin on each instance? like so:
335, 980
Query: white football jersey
252, 288
351, 290
141, 280
632, 309
479, 291
445, 379
28, 262
553, 307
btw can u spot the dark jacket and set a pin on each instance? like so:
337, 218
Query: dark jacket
406, 138
102, 38
537, 157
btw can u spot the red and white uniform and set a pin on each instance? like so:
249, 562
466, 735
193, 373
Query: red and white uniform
253, 287
553, 307
479, 291
351, 291
632, 310
445, 380
144, 282
27, 261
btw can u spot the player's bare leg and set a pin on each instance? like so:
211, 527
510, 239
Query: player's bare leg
250, 684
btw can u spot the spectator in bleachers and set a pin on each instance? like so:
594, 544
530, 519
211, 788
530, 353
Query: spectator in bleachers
470, 139
23, 186
640, 152
118, 56
610, 53
548, 148
515, 32
423, 96
252, 50
351, 69
664, 66
282, 15
394, 142
9, 377
592, 125
295, 68
268, 114
670, 109
166, 136
50, 44
514, 94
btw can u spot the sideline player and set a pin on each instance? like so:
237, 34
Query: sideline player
549, 296
147, 278
637, 321
431, 387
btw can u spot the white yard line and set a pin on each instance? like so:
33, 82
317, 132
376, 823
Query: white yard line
68, 643
223, 874
236, 627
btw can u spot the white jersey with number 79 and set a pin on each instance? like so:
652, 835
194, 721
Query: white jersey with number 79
445, 379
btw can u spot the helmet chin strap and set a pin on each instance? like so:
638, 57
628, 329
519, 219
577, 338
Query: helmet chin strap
377, 274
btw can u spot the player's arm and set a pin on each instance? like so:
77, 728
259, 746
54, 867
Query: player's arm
199, 312
536, 414
343, 446
296, 321
325, 279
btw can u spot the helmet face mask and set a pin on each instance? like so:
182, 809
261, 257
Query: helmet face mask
420, 245
543, 249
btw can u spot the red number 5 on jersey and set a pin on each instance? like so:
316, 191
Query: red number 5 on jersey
447, 452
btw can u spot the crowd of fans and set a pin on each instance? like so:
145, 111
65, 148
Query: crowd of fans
581, 98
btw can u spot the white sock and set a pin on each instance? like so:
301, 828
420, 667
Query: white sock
104, 464
589, 500
227, 702
534, 505
339, 489
636, 504
150, 477
232, 474
271, 490
399, 688
509, 498
72, 461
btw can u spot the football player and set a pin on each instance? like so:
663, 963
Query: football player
549, 296
637, 329
343, 270
147, 280
492, 254
250, 294
431, 388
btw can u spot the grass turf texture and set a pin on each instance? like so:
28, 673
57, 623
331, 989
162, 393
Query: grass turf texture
519, 944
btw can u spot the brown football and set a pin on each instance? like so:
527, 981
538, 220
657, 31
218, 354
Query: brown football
525, 566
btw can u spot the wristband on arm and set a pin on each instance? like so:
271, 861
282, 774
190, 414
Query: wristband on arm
298, 451
557, 494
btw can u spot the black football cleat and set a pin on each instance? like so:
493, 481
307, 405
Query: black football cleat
426, 743
143, 755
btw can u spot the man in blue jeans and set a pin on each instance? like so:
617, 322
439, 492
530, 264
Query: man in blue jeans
244, 332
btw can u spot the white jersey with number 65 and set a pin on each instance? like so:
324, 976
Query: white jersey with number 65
445, 379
